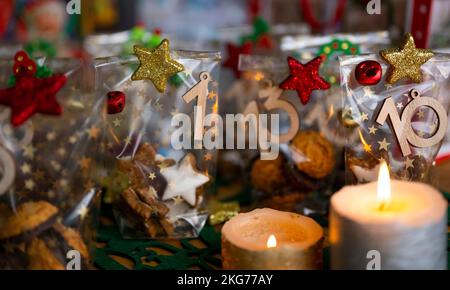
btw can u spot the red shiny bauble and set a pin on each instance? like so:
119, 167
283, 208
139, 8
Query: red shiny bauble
368, 73
116, 102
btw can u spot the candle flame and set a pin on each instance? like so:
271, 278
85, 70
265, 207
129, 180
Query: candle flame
384, 186
272, 242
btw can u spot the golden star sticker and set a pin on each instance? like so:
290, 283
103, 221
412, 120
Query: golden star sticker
156, 65
82, 212
421, 114
178, 200
406, 61
409, 163
383, 145
127, 140
364, 116
26, 168
29, 184
400, 106
93, 132
85, 163
152, 176
29, 151
373, 130
51, 136
62, 152
117, 122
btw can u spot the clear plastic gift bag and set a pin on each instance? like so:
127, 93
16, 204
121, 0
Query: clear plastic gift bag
49, 200
403, 124
306, 159
158, 187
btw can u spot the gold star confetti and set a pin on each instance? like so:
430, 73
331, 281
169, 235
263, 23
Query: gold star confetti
29, 151
152, 176
51, 136
373, 130
117, 122
85, 163
93, 132
406, 61
156, 65
409, 163
29, 184
82, 212
26, 168
383, 145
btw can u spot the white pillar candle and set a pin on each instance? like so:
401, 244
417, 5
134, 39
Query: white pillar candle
408, 229
267, 239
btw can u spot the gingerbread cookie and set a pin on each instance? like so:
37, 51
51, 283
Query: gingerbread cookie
267, 175
313, 154
30, 219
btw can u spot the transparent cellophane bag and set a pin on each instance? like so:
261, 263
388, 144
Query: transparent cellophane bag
49, 200
157, 191
325, 109
373, 143
306, 160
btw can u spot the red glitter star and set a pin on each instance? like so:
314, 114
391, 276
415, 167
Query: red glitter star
32, 95
304, 78
234, 51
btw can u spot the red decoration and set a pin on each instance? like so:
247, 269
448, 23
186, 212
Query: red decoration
421, 21
5, 14
23, 65
304, 78
116, 102
368, 73
233, 56
31, 95
265, 41
316, 25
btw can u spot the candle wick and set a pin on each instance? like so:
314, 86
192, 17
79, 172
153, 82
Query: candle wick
383, 206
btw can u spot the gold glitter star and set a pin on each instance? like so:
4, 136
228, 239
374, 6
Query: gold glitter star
409, 163
93, 132
383, 145
373, 130
156, 65
28, 151
406, 61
